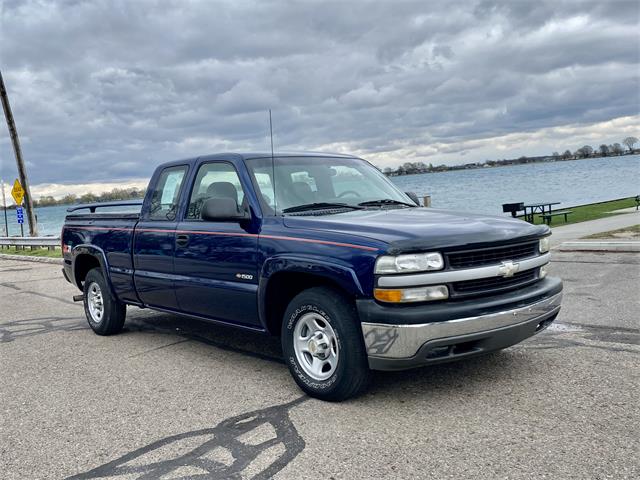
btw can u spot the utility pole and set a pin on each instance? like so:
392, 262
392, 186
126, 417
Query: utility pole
4, 207
22, 172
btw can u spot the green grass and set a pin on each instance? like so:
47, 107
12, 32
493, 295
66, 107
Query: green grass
38, 252
631, 232
588, 212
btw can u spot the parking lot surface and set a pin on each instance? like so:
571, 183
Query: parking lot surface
177, 398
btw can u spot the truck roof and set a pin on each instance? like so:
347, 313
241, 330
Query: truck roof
249, 155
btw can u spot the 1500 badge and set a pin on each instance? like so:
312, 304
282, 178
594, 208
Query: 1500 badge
244, 276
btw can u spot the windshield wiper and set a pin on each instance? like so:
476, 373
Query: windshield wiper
385, 201
319, 206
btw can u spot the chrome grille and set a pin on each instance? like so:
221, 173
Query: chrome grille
493, 284
491, 256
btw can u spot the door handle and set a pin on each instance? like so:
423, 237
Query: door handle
182, 240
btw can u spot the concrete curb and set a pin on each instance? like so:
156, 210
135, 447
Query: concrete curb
26, 258
600, 246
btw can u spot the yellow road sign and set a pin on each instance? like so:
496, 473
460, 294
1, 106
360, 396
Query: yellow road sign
17, 192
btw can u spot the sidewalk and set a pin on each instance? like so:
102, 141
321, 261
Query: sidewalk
576, 231
626, 210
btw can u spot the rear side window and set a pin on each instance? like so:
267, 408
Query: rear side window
214, 180
164, 200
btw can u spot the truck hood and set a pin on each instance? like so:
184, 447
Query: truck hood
416, 229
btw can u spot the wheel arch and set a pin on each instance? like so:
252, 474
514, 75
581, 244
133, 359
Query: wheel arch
86, 258
283, 278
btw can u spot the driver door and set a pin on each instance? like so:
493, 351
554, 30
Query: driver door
216, 261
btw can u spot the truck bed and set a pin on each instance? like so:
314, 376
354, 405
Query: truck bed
111, 233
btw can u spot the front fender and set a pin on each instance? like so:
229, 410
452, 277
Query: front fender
338, 272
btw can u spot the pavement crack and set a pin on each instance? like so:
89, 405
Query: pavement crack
29, 327
613, 339
159, 348
39, 280
38, 294
556, 260
602, 327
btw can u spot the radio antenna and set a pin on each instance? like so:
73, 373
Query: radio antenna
273, 166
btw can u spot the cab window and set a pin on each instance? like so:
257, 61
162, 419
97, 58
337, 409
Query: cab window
214, 180
165, 197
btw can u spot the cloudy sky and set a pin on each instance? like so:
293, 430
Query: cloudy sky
102, 91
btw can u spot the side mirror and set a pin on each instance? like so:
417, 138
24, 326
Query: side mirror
222, 209
413, 197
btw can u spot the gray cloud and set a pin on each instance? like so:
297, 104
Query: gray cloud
105, 90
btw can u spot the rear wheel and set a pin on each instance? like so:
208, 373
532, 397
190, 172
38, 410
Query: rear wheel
104, 312
323, 347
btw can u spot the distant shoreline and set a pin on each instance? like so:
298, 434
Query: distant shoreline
498, 163
139, 194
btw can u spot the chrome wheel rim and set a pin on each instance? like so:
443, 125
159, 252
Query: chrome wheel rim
316, 346
95, 302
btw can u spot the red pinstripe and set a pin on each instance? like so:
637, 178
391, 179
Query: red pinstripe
229, 234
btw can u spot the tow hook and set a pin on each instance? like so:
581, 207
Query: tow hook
78, 298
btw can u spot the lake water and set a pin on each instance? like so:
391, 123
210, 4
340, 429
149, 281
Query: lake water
574, 182
484, 190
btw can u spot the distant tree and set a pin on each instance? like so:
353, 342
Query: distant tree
401, 171
421, 166
630, 142
410, 168
88, 198
46, 201
617, 148
567, 155
584, 152
604, 149
68, 199
555, 155
388, 171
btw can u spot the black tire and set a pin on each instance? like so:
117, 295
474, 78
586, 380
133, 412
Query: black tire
113, 311
351, 375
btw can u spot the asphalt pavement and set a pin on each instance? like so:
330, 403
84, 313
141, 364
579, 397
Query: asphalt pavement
178, 398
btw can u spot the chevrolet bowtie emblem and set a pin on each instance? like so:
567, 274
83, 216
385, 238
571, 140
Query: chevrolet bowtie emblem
509, 269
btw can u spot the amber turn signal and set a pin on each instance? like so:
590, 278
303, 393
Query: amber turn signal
389, 296
406, 295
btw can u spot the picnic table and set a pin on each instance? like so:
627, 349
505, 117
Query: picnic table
541, 208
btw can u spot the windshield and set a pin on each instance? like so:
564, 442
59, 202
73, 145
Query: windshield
322, 182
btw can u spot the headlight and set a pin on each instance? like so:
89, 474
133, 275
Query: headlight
405, 295
413, 262
544, 245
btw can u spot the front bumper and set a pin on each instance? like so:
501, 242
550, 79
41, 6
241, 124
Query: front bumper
461, 331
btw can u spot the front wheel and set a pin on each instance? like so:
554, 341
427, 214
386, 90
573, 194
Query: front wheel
104, 312
323, 347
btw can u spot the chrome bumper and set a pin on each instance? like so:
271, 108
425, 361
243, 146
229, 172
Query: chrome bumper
403, 342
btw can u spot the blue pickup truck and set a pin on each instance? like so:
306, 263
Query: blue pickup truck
321, 250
